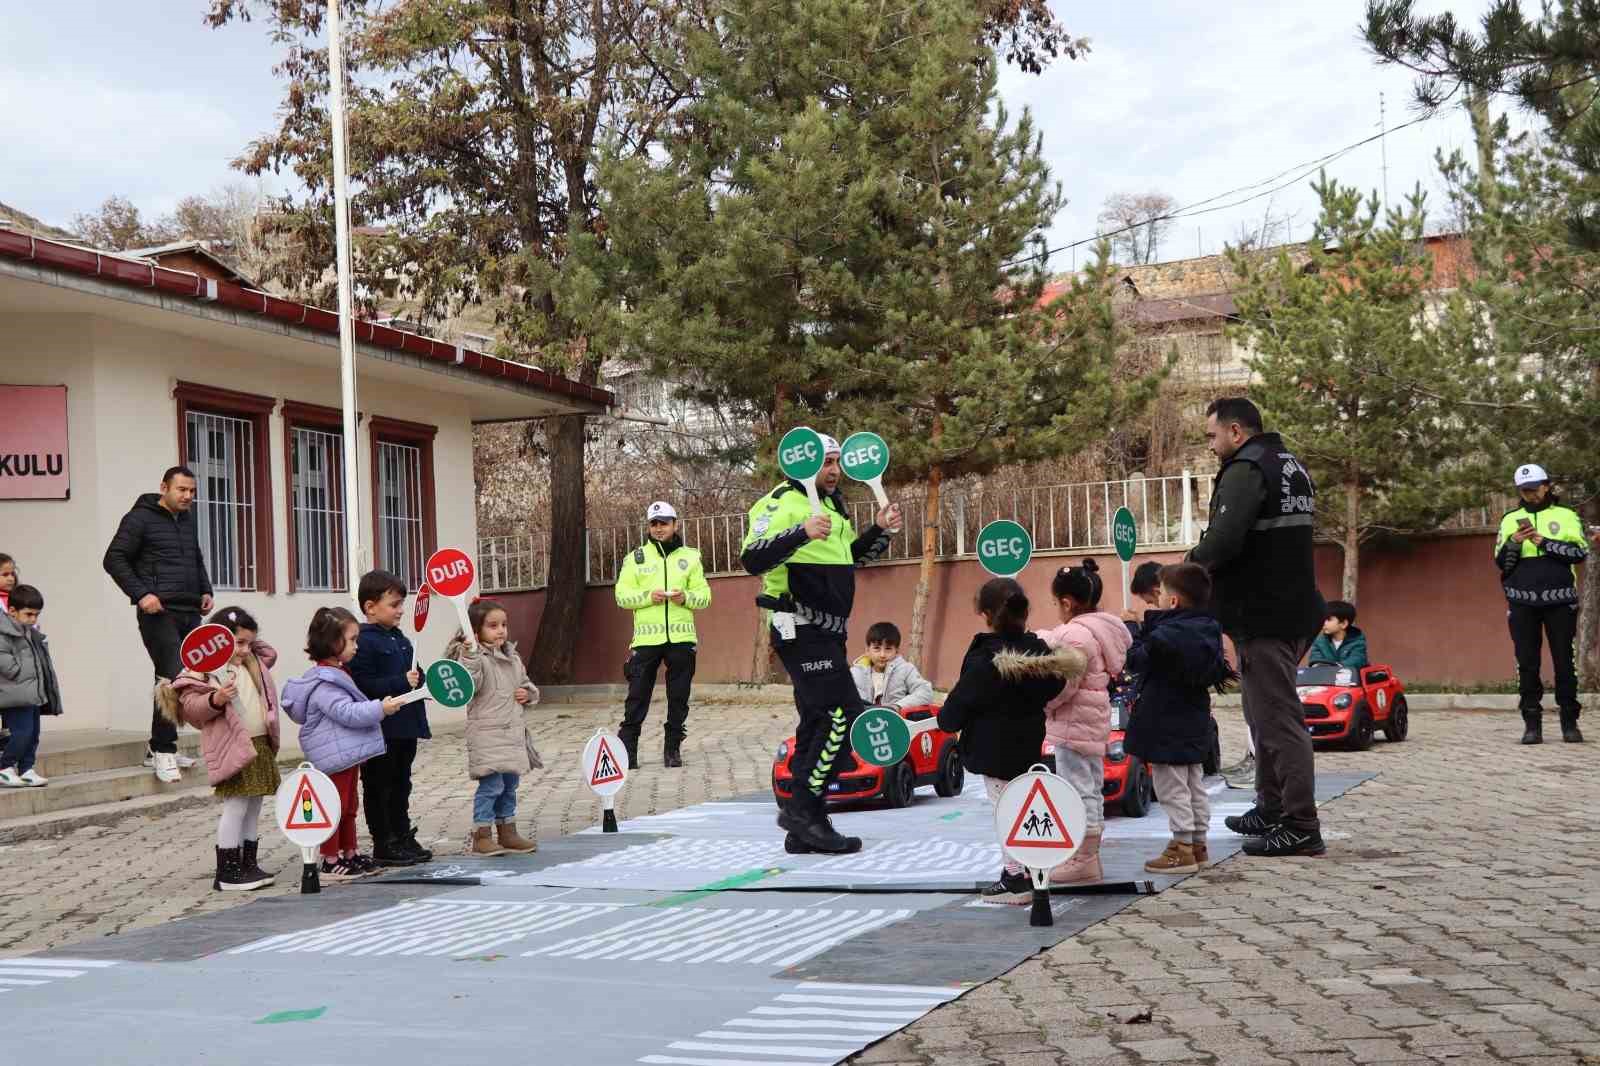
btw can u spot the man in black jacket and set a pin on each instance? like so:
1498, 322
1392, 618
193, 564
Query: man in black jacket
155, 559
1258, 548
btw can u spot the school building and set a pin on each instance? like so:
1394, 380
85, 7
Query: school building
114, 368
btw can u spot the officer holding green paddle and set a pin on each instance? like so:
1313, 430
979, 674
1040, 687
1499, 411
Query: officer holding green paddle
801, 543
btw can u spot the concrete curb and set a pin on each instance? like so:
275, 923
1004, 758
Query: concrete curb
1437, 701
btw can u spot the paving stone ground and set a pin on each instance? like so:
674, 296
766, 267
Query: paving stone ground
1456, 917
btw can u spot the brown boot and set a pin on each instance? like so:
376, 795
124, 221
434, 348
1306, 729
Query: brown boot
483, 841
1202, 854
1084, 867
511, 840
1177, 859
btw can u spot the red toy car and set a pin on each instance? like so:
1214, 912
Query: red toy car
932, 760
1344, 705
1129, 786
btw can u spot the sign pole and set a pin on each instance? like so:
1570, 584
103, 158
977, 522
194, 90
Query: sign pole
605, 770
608, 814
864, 457
1125, 538
800, 457
310, 880
354, 562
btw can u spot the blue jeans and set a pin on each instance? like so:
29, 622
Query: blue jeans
496, 799
24, 743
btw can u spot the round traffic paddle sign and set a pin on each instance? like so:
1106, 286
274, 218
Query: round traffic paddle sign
449, 683
864, 456
1124, 534
605, 764
800, 453
880, 737
1040, 819
207, 649
307, 806
419, 613
1004, 548
450, 572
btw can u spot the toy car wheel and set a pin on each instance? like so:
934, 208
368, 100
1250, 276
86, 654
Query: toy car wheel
899, 784
1360, 730
1213, 759
952, 775
1141, 790
1399, 723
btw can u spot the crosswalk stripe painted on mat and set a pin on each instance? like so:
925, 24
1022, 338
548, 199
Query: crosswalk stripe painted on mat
749, 1040
21, 974
432, 927
768, 936
684, 853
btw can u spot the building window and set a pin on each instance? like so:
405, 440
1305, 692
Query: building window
222, 437
314, 440
404, 528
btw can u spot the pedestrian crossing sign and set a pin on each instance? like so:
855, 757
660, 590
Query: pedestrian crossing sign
606, 768
1040, 820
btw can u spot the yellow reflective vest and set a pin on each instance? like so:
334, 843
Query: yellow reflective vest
653, 566
1543, 574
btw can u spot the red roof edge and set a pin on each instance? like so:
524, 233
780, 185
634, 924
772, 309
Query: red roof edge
134, 274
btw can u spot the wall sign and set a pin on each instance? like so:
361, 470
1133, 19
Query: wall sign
33, 442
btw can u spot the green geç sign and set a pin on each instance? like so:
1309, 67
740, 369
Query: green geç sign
1124, 534
880, 737
800, 453
450, 684
1004, 548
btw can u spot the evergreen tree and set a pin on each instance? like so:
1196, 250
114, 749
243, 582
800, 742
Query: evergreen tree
847, 232
1354, 372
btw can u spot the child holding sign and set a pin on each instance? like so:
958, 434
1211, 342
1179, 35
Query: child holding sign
339, 728
499, 747
1007, 676
236, 711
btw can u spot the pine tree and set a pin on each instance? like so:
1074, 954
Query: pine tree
847, 232
1354, 373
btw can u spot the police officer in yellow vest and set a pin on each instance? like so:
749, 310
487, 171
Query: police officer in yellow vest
807, 567
663, 584
1538, 549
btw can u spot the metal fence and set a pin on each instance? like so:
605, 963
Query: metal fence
1064, 518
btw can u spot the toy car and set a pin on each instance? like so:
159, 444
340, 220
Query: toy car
1129, 786
1344, 705
932, 760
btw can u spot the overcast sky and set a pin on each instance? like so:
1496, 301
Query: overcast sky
142, 100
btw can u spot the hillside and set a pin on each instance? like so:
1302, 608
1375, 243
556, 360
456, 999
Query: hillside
20, 219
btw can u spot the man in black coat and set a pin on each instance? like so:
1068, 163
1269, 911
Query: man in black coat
1258, 549
155, 559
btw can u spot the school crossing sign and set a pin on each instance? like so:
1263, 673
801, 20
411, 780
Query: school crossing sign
1040, 820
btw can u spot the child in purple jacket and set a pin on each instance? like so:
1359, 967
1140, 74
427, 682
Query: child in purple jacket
339, 728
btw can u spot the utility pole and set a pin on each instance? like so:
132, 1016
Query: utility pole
354, 561
1383, 146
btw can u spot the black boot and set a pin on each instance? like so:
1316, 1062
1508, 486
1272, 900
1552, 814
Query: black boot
806, 819
671, 755
1569, 728
414, 848
631, 745
393, 852
230, 876
249, 867
1534, 733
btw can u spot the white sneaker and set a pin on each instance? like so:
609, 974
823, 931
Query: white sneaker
34, 779
166, 766
9, 778
185, 762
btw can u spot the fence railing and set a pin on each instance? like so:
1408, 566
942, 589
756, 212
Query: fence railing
1061, 518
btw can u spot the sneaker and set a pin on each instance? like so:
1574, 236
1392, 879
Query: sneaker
1009, 884
185, 762
9, 778
362, 865
1178, 858
166, 767
338, 869
1251, 823
393, 852
415, 849
1283, 841
1241, 776
34, 779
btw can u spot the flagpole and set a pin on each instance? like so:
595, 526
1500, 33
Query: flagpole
354, 561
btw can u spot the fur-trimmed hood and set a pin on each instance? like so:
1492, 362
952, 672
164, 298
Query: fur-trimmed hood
1066, 663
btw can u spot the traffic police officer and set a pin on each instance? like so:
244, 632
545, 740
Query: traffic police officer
807, 567
663, 584
1539, 546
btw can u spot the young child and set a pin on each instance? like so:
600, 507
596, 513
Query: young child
1341, 643
1179, 653
8, 580
498, 748
1078, 721
28, 687
339, 728
236, 711
883, 678
1146, 586
384, 666
1007, 677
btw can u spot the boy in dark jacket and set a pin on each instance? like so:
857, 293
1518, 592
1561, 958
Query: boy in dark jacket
997, 705
384, 666
1340, 643
1178, 653
28, 687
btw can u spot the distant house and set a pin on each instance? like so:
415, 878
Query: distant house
196, 257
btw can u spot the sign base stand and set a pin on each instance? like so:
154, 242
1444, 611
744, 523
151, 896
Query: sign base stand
1041, 914
608, 816
310, 880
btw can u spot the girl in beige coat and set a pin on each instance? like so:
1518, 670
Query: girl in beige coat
499, 746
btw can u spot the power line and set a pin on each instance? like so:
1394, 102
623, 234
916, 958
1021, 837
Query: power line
1209, 205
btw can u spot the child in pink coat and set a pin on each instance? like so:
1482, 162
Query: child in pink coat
1077, 723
